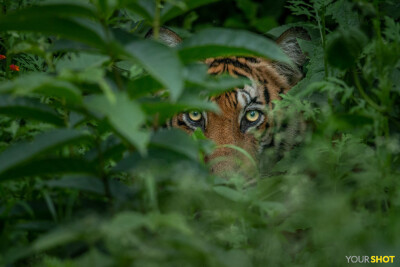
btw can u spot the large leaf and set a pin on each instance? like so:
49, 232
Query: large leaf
45, 85
23, 152
135, 87
51, 166
231, 194
161, 62
60, 8
217, 42
143, 8
62, 235
177, 141
196, 76
81, 61
90, 184
188, 101
345, 47
158, 159
125, 116
79, 29
29, 109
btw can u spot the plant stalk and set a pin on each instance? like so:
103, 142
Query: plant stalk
156, 23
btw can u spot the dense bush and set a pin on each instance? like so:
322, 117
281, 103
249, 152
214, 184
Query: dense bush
89, 177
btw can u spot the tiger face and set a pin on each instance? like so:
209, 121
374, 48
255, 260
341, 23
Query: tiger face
243, 120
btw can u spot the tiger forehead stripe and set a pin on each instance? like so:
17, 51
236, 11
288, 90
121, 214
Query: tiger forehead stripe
249, 67
231, 61
236, 66
229, 97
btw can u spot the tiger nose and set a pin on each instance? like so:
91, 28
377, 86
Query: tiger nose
223, 160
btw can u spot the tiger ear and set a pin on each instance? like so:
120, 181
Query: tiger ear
289, 44
166, 36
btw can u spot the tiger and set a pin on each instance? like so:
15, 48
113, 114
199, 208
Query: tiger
242, 120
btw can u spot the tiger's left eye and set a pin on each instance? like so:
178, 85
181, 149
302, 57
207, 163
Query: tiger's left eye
195, 115
252, 115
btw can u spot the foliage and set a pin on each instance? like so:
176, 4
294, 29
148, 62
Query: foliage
88, 177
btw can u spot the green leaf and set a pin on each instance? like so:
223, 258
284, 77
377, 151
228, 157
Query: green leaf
190, 101
231, 194
217, 42
61, 89
171, 11
272, 208
45, 85
94, 257
84, 183
135, 87
23, 152
48, 166
341, 11
125, 116
91, 75
186, 102
196, 76
79, 29
161, 62
81, 61
242, 151
236, 258
345, 47
346, 122
173, 221
56, 238
176, 140
60, 8
143, 8
125, 222
89, 184
158, 159
29, 109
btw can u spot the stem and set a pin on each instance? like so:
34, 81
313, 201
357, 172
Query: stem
156, 121
324, 43
118, 79
5, 6
136, 27
322, 32
49, 60
103, 175
111, 54
364, 95
156, 23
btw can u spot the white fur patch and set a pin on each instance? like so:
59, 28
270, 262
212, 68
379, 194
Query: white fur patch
245, 95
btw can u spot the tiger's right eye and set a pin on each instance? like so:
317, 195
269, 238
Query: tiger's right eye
252, 115
195, 116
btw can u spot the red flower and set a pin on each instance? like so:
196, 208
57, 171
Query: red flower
14, 67
2, 57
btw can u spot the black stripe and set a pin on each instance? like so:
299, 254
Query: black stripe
229, 61
266, 95
181, 123
228, 99
236, 99
239, 74
254, 101
252, 59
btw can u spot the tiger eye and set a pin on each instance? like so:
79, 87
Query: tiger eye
195, 115
252, 115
